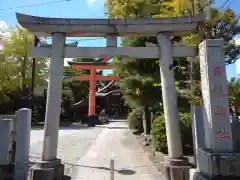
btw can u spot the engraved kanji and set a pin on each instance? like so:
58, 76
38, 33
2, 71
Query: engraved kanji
217, 71
220, 111
219, 90
223, 134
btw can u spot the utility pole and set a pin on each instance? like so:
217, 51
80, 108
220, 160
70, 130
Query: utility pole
36, 42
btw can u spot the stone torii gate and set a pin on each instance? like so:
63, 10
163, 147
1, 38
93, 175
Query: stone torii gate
60, 28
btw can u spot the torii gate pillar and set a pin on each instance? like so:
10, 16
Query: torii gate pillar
169, 96
92, 93
53, 106
175, 165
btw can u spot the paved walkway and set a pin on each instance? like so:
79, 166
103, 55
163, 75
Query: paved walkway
73, 143
117, 142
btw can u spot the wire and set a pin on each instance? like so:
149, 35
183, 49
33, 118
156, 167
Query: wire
225, 4
34, 5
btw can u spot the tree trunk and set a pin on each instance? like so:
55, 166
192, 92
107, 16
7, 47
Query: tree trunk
146, 121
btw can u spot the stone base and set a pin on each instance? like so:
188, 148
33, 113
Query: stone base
176, 169
47, 170
195, 174
7, 172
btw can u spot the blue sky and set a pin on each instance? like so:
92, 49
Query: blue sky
77, 9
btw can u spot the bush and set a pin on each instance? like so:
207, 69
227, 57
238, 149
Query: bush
135, 120
160, 138
186, 132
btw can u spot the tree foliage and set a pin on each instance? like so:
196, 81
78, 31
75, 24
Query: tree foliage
16, 70
16, 50
234, 92
144, 75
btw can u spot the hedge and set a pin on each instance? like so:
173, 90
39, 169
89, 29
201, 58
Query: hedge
159, 133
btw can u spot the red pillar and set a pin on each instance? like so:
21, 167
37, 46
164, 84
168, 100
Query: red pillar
92, 93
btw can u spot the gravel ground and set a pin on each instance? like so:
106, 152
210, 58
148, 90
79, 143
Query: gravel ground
73, 143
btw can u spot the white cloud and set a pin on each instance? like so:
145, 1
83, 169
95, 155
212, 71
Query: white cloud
3, 26
5, 30
92, 1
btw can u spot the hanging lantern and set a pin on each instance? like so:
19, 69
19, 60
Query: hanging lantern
137, 91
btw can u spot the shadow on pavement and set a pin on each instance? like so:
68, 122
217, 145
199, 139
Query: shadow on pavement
66, 177
126, 172
120, 171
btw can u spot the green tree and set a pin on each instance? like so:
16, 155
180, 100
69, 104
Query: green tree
16, 49
222, 25
234, 94
8, 70
137, 73
15, 70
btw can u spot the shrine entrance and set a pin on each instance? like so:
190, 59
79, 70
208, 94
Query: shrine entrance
161, 28
93, 77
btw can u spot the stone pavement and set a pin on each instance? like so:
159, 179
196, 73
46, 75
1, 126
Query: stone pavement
117, 142
73, 143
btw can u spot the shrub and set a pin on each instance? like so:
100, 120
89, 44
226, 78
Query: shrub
135, 119
160, 138
186, 132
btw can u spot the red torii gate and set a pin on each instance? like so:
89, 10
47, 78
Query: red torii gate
93, 77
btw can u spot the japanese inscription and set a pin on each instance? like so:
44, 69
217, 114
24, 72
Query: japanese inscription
214, 93
219, 90
223, 134
217, 71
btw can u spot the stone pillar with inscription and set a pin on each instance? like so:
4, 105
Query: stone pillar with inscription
216, 160
218, 134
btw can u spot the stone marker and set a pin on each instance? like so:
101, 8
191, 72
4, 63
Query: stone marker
23, 129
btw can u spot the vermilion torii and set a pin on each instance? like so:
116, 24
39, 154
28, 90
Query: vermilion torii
93, 77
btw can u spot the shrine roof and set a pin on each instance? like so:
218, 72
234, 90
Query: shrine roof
45, 26
84, 101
